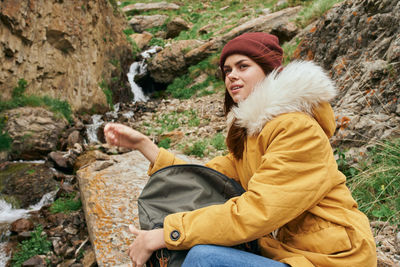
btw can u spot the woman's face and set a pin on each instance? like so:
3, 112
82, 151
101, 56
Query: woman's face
241, 75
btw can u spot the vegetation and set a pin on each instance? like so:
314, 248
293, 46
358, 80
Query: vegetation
36, 245
66, 204
375, 182
108, 93
5, 139
20, 99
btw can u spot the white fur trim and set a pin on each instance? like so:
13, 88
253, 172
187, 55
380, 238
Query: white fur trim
298, 87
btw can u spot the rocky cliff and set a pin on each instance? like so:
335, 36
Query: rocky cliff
64, 49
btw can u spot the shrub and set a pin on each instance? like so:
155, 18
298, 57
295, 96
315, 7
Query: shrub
218, 142
197, 149
36, 245
5, 139
66, 204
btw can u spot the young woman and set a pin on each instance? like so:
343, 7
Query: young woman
296, 202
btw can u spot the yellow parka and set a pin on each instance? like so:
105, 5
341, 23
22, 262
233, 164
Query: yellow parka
296, 202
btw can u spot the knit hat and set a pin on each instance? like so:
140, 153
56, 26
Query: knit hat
260, 45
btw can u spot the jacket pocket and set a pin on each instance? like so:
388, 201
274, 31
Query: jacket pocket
331, 240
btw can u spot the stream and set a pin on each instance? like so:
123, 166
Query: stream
8, 214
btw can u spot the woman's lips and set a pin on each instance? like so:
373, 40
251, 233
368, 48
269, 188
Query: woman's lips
235, 89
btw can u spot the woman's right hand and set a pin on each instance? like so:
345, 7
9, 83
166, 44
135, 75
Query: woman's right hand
117, 134
123, 136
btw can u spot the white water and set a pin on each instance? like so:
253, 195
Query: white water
139, 68
9, 215
91, 129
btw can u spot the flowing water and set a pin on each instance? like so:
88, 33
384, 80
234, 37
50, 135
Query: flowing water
136, 68
9, 215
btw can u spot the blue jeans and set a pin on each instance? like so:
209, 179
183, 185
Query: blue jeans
217, 256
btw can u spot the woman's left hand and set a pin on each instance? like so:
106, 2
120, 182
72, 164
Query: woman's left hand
145, 243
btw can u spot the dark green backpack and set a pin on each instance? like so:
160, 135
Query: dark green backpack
179, 188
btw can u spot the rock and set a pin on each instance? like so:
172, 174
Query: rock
21, 225
170, 62
34, 132
35, 261
19, 178
356, 42
89, 157
150, 6
141, 23
58, 48
67, 263
175, 26
23, 236
89, 258
74, 138
141, 39
63, 160
397, 243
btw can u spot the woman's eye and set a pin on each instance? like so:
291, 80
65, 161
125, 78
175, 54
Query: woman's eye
243, 66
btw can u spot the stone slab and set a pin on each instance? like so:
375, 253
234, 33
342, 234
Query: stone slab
109, 192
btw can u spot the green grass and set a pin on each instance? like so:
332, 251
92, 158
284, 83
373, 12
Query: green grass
375, 185
218, 142
314, 10
165, 143
36, 245
66, 204
20, 99
288, 50
197, 148
108, 93
5, 139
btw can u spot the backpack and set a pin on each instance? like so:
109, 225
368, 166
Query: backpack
179, 188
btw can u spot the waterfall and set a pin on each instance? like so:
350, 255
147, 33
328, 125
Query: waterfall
139, 68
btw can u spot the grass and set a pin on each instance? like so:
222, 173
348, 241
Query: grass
5, 139
108, 93
66, 204
314, 10
376, 181
182, 87
20, 99
36, 245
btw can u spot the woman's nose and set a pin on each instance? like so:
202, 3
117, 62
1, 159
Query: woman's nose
232, 75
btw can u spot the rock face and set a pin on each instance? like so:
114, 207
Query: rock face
34, 131
359, 42
62, 48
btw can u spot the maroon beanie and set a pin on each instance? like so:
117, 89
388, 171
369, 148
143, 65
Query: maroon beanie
260, 45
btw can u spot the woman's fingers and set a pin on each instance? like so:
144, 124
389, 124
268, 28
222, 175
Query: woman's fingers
134, 230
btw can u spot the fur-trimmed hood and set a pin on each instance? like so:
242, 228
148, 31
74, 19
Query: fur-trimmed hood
300, 87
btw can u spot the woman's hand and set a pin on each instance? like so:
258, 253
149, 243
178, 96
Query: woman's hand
117, 134
120, 135
145, 243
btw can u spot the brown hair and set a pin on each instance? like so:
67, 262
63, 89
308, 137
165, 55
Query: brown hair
237, 135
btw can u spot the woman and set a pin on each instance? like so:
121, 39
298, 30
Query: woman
296, 202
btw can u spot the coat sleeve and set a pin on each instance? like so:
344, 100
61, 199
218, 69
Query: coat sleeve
294, 175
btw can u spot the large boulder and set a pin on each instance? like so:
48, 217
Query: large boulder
141, 23
141, 7
63, 49
171, 62
174, 60
34, 132
358, 42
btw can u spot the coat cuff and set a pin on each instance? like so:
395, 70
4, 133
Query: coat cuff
174, 233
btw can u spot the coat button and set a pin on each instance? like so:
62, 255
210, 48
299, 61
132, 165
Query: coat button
174, 235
